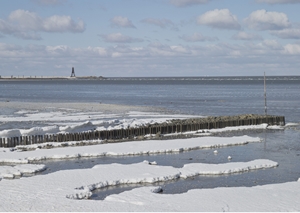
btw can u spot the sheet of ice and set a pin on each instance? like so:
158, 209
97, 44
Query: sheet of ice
50, 192
126, 148
292, 124
207, 132
77, 121
237, 128
49, 145
190, 170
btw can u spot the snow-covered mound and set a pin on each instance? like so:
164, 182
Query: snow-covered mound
19, 170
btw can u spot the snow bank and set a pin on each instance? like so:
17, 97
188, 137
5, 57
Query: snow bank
190, 170
127, 148
49, 145
74, 121
268, 198
292, 124
76, 117
19, 170
207, 132
51, 191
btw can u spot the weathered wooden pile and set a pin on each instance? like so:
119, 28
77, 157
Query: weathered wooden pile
171, 126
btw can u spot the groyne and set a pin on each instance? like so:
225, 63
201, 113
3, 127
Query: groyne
171, 126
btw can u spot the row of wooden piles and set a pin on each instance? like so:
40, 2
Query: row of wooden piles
172, 126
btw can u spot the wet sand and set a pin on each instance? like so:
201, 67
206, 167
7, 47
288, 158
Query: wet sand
93, 107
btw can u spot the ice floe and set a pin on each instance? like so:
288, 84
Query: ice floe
126, 148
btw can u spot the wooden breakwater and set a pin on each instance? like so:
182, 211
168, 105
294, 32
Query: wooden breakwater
171, 126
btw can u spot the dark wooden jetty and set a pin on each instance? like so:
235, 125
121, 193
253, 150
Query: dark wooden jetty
171, 126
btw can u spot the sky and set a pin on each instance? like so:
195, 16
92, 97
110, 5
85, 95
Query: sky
149, 38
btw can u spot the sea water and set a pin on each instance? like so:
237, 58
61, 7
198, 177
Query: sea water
198, 96
208, 96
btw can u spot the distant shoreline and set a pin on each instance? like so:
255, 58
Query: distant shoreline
18, 78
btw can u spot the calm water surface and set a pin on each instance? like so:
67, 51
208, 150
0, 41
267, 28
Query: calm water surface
196, 96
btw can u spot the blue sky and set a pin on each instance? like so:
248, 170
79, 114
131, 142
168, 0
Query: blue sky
136, 38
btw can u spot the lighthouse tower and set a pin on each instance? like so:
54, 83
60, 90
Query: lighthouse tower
73, 72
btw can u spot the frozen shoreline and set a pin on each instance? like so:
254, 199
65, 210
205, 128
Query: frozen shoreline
52, 118
50, 191
121, 149
53, 191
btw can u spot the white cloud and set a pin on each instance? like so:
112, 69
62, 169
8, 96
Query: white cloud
101, 51
287, 33
120, 21
26, 25
272, 44
24, 20
292, 49
163, 23
197, 37
279, 1
246, 36
5, 27
184, 3
119, 38
57, 50
221, 19
62, 24
27, 35
263, 20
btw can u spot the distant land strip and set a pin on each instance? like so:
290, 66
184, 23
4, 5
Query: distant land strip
51, 78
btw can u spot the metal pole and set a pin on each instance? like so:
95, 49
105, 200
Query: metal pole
265, 93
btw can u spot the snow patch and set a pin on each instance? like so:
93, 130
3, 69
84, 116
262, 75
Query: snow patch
194, 169
19, 170
129, 148
157, 174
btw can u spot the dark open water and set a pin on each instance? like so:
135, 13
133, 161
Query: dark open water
197, 96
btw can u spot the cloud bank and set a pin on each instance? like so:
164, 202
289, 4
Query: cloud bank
156, 59
26, 25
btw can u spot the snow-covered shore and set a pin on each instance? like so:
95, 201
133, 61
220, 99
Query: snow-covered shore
52, 192
68, 190
123, 149
60, 190
52, 118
